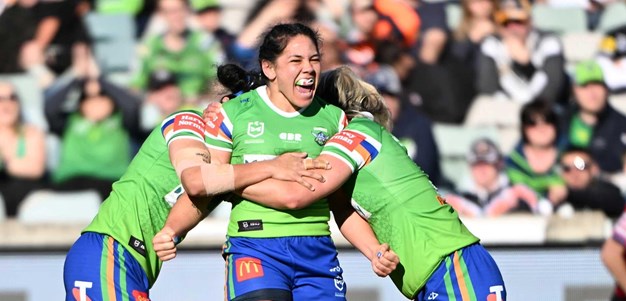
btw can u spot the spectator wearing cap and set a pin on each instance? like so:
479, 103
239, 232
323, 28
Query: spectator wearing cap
519, 61
191, 55
164, 97
487, 191
208, 14
612, 59
95, 130
534, 160
585, 188
592, 123
413, 129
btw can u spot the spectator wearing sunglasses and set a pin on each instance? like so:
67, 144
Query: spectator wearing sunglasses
585, 188
22, 152
534, 160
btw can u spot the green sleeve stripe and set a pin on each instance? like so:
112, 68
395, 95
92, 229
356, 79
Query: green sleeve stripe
448, 281
122, 262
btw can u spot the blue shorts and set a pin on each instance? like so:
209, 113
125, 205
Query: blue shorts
467, 274
283, 269
98, 268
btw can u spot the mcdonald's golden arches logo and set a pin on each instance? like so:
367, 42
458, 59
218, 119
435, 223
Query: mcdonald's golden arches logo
248, 268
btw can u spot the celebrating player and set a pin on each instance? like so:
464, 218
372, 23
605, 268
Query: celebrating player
291, 251
113, 259
372, 172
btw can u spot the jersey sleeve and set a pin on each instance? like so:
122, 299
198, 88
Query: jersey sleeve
219, 131
183, 125
619, 230
356, 145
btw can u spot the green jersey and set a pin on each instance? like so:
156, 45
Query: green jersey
254, 129
399, 202
141, 200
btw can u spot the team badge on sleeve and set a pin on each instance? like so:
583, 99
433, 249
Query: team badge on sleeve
359, 146
220, 127
183, 124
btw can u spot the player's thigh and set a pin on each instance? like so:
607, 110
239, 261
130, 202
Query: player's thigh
99, 268
256, 271
319, 275
466, 274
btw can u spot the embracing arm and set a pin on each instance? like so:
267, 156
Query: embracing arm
292, 195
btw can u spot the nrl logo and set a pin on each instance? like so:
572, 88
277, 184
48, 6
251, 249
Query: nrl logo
255, 128
320, 137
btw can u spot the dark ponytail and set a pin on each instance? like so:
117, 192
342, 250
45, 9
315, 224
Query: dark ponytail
238, 80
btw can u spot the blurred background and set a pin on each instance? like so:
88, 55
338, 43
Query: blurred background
515, 109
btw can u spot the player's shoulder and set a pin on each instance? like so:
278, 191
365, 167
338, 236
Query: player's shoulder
326, 106
242, 102
366, 126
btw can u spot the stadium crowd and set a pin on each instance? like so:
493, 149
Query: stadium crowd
534, 108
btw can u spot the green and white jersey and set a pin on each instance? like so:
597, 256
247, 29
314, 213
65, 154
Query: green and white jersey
399, 201
140, 201
252, 128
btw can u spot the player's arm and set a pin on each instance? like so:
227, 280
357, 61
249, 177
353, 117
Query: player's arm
359, 233
291, 195
217, 178
613, 258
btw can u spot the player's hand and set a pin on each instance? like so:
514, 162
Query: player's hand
163, 244
384, 261
296, 166
210, 112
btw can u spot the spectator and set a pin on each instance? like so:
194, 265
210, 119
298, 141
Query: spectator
476, 24
440, 84
413, 129
191, 55
520, 61
264, 14
22, 152
614, 258
488, 191
95, 133
164, 98
612, 59
60, 27
433, 31
18, 24
533, 161
585, 188
593, 8
592, 122
208, 14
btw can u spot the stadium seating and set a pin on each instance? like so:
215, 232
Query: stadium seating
614, 15
3, 213
31, 98
113, 40
46, 206
559, 19
580, 46
454, 14
454, 142
618, 101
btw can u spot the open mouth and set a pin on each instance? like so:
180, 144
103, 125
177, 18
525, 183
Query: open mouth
305, 85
